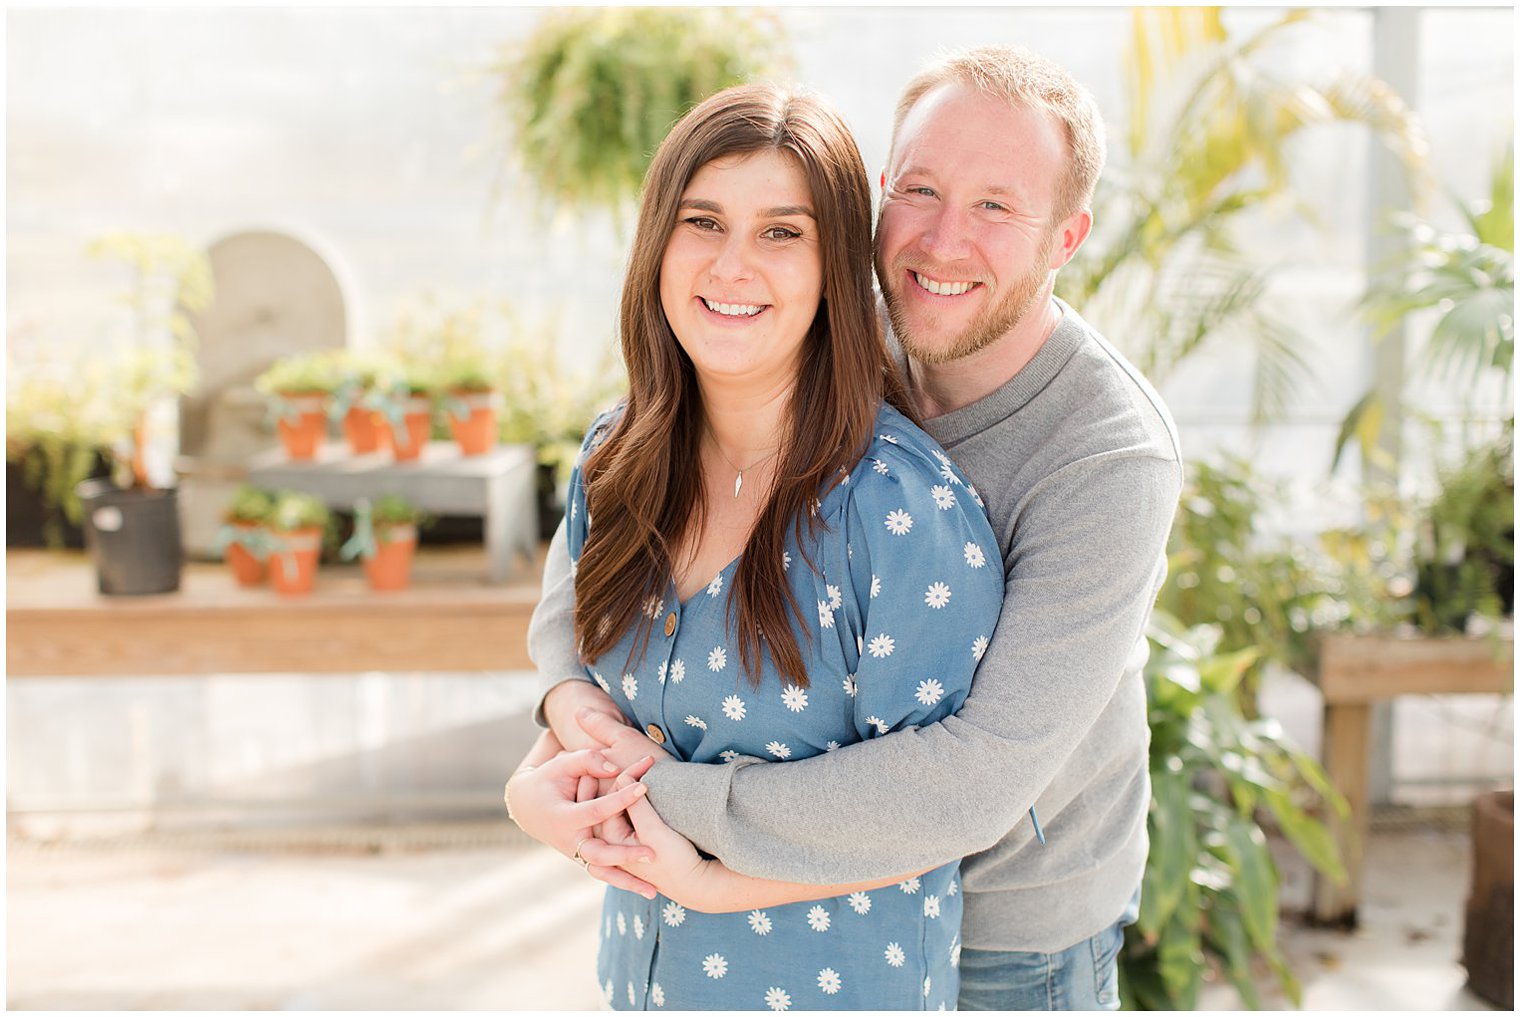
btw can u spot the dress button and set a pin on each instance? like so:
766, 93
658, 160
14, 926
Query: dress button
670, 624
655, 734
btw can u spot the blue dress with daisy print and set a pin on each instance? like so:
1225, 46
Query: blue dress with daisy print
907, 589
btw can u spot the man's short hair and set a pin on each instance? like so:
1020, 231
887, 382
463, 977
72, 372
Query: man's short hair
1026, 79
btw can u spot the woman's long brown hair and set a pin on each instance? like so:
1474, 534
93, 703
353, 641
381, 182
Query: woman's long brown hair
644, 482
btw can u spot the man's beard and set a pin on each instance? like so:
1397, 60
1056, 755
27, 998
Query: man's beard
994, 322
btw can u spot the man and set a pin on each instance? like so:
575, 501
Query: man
987, 195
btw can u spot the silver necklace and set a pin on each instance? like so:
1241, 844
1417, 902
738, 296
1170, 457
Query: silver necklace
738, 473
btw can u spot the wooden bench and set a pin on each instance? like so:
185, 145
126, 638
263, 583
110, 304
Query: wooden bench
1357, 671
449, 620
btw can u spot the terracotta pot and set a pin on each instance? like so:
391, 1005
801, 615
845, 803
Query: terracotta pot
391, 567
293, 562
362, 428
246, 569
418, 418
476, 433
303, 435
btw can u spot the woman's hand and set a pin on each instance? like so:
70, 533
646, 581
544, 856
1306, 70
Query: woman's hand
676, 870
566, 700
552, 801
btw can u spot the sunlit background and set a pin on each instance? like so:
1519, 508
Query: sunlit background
1304, 236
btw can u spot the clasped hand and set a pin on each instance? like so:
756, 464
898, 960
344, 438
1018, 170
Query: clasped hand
591, 802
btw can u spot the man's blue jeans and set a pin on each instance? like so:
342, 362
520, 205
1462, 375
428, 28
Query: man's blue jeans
1081, 977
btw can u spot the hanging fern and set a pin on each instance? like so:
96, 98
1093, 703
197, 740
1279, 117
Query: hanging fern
591, 93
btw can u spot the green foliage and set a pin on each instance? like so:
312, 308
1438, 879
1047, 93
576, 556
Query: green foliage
1466, 278
394, 510
317, 373
1210, 888
1465, 553
548, 405
296, 511
1210, 145
592, 92
434, 349
250, 504
1268, 594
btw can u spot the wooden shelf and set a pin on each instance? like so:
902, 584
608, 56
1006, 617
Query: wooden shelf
449, 620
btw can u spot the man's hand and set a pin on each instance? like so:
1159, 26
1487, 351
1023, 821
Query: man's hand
618, 742
545, 800
567, 699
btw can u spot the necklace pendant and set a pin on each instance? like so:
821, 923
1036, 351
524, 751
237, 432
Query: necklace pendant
738, 483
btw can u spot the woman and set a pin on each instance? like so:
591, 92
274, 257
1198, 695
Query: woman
765, 548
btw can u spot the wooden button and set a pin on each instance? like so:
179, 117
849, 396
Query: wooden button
655, 734
670, 624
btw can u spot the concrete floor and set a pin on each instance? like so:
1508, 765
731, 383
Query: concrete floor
472, 916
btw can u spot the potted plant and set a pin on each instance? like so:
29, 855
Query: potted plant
463, 376
299, 388
406, 407
353, 401
131, 519
297, 526
385, 536
245, 539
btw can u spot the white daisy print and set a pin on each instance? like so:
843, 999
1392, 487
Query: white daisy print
657, 994
836, 596
779, 749
879, 724
607, 929
638, 927
674, 914
818, 918
660, 674
622, 924
899, 522
696, 722
678, 671
971, 490
633, 997
949, 475
716, 586
717, 658
882, 645
879, 467
931, 906
786, 560
715, 964
760, 923
926, 986
607, 992
909, 885
602, 682
889, 439
860, 903
653, 605
794, 698
851, 686
895, 955
831, 746
930, 691
733, 708
875, 586
828, 981
954, 889
955, 955
825, 615
943, 496
937, 596
974, 555
860, 645
728, 755
630, 686
777, 999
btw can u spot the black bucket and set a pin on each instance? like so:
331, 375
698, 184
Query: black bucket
134, 538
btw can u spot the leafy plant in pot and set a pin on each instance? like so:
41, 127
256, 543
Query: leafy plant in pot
132, 518
299, 389
298, 526
353, 403
245, 539
385, 536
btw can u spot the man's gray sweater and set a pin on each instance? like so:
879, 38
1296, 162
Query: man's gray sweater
1077, 460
